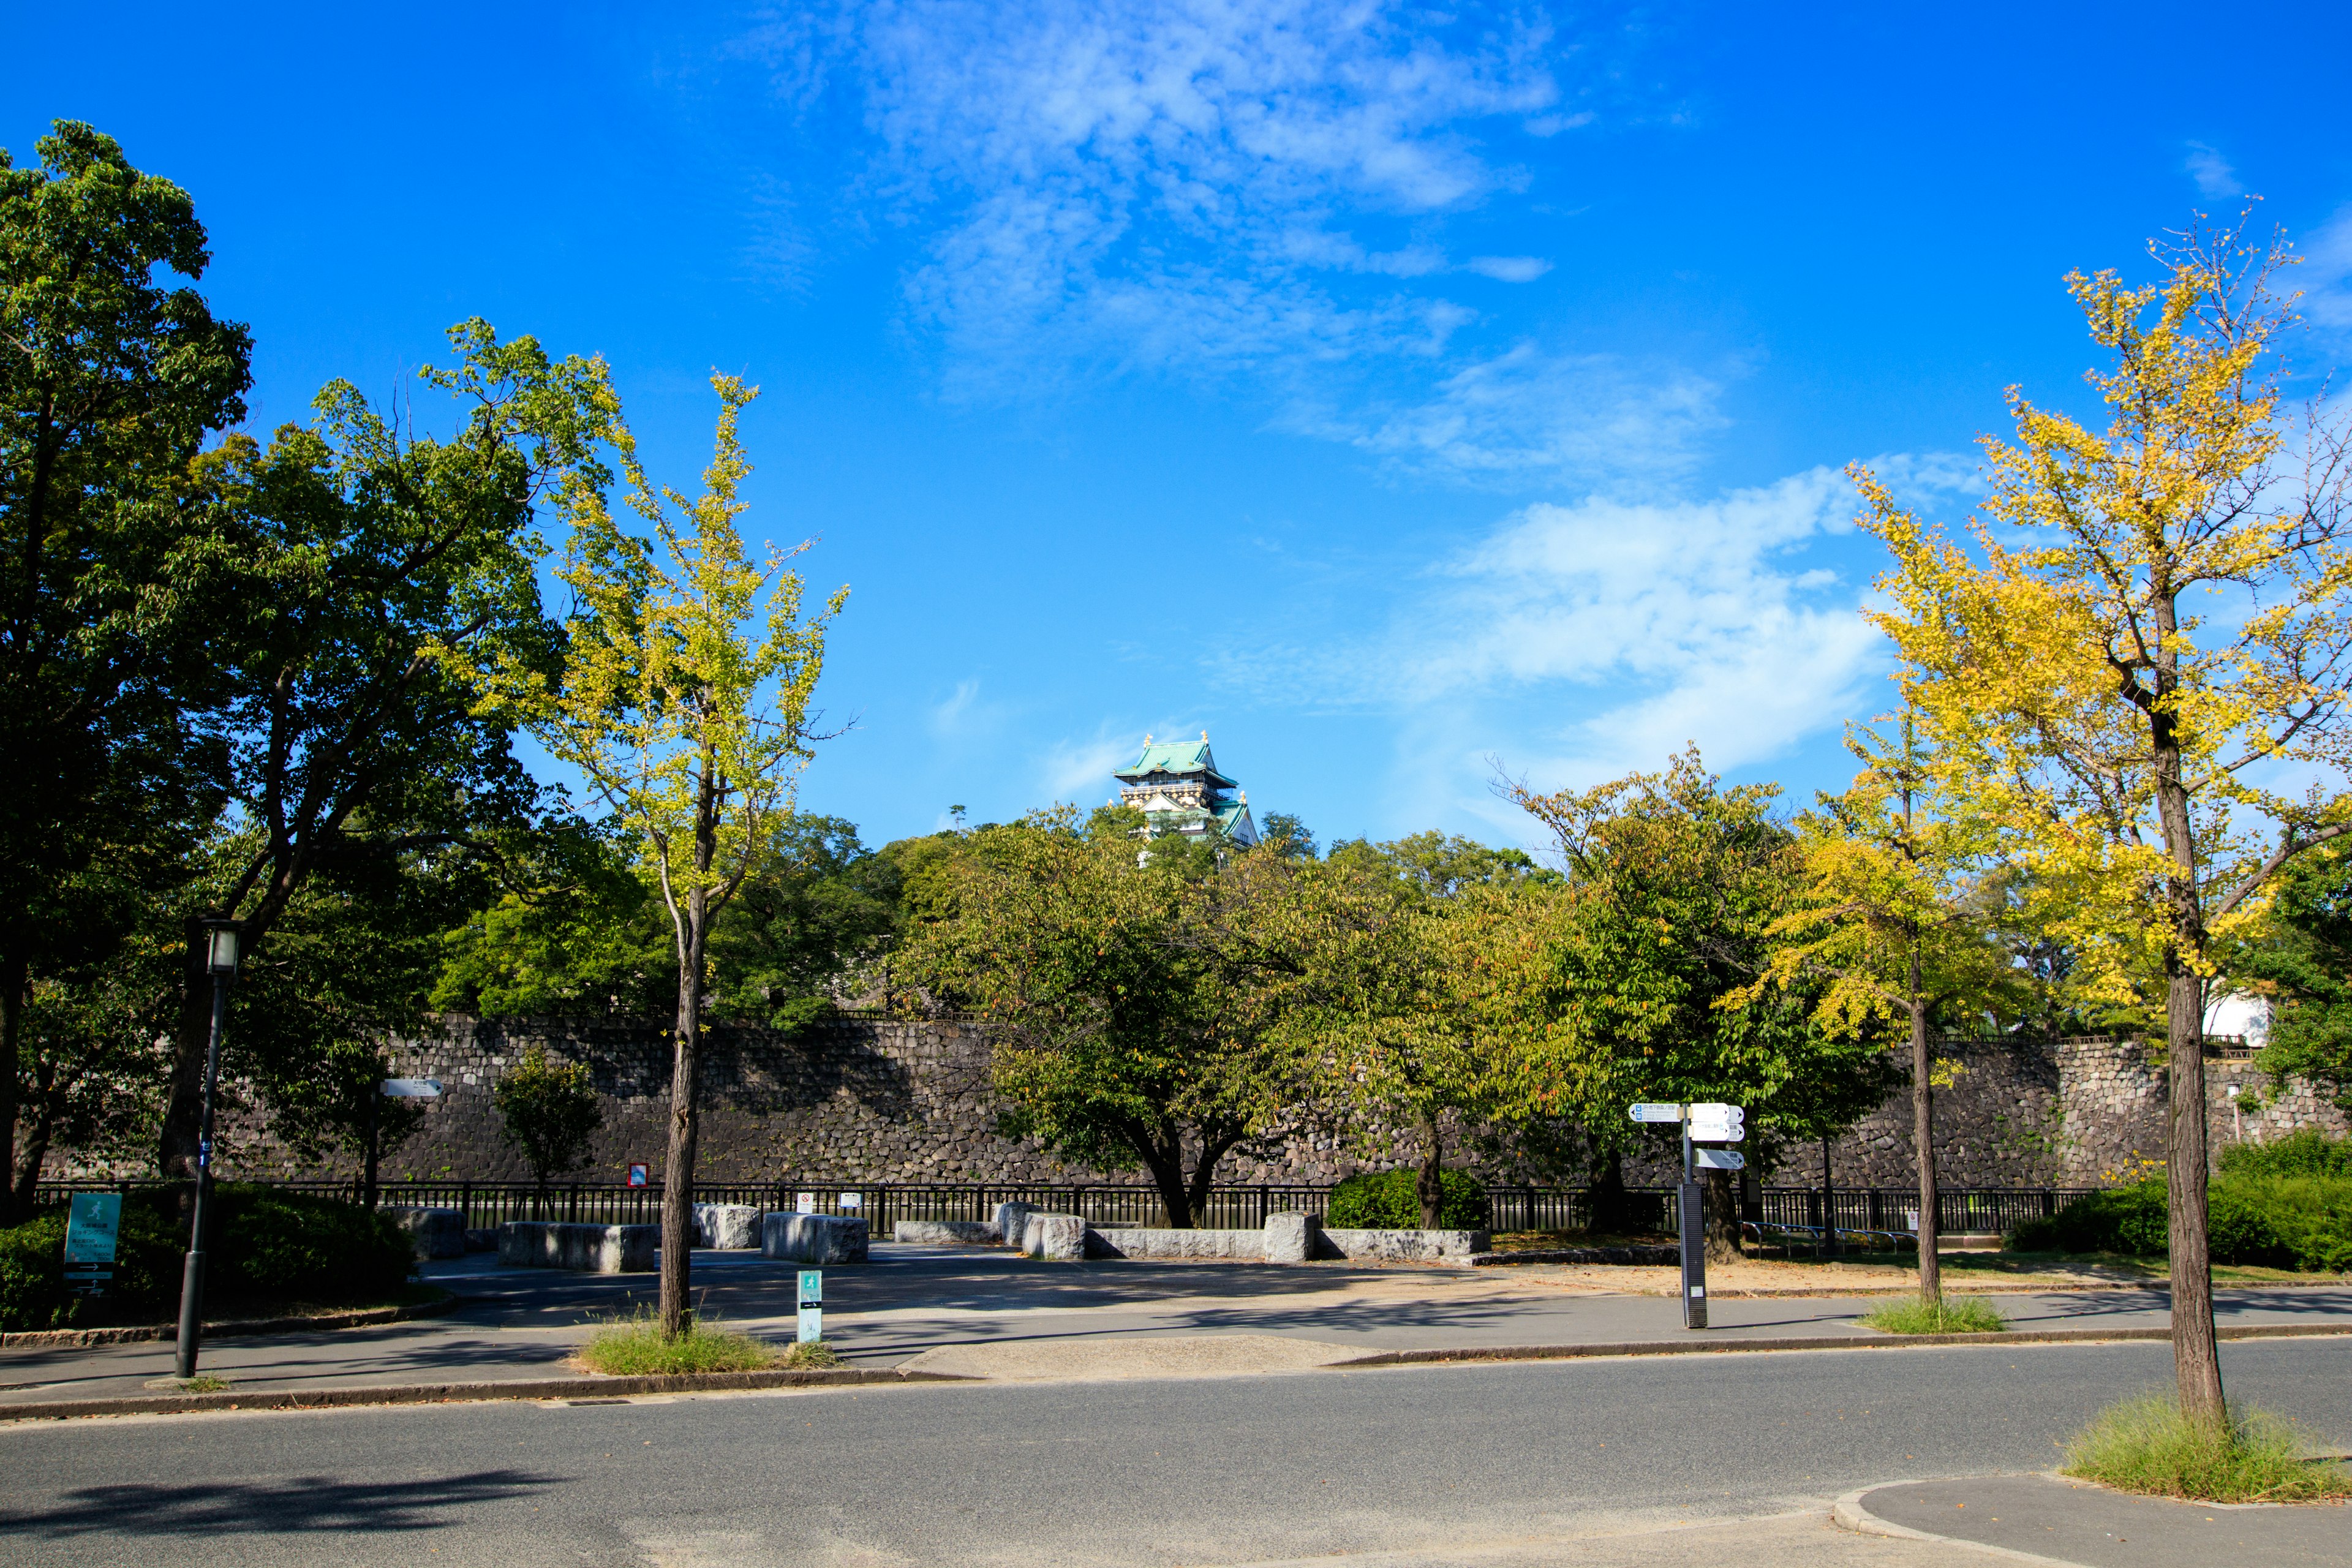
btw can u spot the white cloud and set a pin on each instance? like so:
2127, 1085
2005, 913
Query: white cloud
1508, 268
2212, 173
1080, 769
1218, 187
1529, 410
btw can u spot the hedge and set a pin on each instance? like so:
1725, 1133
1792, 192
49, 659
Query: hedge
1385, 1201
268, 1246
2280, 1221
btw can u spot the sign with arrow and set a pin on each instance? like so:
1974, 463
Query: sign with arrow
1719, 1159
1650, 1110
1718, 1123
812, 1324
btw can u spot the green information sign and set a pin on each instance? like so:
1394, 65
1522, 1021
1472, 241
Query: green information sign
93, 1225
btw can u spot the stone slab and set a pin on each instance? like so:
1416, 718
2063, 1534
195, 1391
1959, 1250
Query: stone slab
1291, 1237
1227, 1246
946, 1233
586, 1249
817, 1239
1404, 1245
433, 1233
733, 1227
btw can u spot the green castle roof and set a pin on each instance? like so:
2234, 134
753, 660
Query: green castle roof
1185, 759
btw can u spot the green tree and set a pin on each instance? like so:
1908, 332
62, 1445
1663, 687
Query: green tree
689, 728
1136, 1002
112, 376
378, 574
551, 1111
1674, 885
2302, 955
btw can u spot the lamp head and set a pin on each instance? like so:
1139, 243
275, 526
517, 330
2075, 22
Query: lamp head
220, 946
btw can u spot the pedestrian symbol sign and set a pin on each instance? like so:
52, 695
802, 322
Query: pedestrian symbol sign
811, 1305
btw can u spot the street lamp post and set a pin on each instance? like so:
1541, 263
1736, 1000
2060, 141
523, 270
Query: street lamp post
220, 958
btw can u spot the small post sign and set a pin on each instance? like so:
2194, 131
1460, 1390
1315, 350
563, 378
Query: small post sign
1708, 1124
1719, 1159
640, 1173
1651, 1111
811, 1305
807, 1203
93, 1225
853, 1201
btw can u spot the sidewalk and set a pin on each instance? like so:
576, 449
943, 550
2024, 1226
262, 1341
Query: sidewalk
2074, 1522
520, 1324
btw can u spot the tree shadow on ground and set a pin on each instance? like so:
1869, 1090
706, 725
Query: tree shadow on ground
289, 1504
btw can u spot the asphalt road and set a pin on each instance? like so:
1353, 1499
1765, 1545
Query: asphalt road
1486, 1463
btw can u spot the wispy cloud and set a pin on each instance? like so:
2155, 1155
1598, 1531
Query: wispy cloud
2326, 281
1262, 188
2212, 173
1079, 769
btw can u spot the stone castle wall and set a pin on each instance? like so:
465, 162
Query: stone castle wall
881, 1099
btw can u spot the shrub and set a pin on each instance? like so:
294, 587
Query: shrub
1385, 1200
2278, 1221
2309, 1153
2143, 1446
1952, 1315
33, 1293
634, 1347
283, 1246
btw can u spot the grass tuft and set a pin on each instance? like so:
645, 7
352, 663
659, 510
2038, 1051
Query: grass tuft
1952, 1315
203, 1383
635, 1347
811, 1353
2144, 1446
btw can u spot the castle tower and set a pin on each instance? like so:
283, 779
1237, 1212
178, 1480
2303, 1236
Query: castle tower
1176, 784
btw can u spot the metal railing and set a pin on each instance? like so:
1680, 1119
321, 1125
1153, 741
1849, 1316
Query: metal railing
1235, 1206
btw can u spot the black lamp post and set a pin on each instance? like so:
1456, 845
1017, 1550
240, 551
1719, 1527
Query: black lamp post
220, 958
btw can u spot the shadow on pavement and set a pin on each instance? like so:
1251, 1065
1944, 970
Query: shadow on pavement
293, 1505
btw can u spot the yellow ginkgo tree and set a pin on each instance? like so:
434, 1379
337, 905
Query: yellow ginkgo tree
685, 705
2134, 664
1890, 928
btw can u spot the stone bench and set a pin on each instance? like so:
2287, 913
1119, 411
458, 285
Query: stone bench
431, 1232
1403, 1246
1137, 1241
731, 1226
814, 1237
587, 1249
946, 1233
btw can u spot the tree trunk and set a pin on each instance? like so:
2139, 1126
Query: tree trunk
1214, 1146
1609, 1197
12, 1018
1722, 1210
1829, 1204
1429, 1181
2196, 1357
184, 1114
685, 1082
40, 1121
1923, 1142
1164, 1158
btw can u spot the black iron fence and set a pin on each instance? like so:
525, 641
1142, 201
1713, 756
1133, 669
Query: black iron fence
1977, 1210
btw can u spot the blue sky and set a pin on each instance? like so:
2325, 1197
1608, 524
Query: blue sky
1399, 395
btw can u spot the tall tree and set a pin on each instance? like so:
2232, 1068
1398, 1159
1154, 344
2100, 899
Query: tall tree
692, 722
112, 376
1674, 885
1889, 927
1135, 1001
2142, 632
379, 575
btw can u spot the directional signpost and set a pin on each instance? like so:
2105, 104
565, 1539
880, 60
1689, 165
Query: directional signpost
391, 1088
93, 1220
1702, 1124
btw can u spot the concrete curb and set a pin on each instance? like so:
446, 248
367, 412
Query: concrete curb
468, 1392
366, 1317
1847, 1513
1818, 1343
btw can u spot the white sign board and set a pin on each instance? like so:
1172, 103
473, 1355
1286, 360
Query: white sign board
410, 1089
853, 1200
807, 1203
1719, 1159
1650, 1110
1718, 1123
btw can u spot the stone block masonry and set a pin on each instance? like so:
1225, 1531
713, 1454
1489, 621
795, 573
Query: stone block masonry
817, 1239
871, 1099
588, 1248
